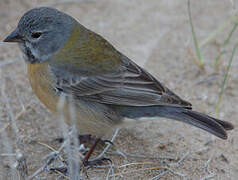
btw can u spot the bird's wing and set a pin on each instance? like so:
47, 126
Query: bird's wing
129, 85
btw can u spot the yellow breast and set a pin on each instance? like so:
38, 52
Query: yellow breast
41, 81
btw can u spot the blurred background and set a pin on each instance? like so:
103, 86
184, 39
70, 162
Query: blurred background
158, 36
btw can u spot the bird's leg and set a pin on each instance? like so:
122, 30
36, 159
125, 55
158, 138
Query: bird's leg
89, 153
87, 138
101, 156
86, 161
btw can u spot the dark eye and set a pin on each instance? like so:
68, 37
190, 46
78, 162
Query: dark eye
36, 35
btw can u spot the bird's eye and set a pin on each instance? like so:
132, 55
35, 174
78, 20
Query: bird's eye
36, 35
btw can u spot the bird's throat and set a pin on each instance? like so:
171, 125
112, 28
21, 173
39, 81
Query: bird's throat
28, 55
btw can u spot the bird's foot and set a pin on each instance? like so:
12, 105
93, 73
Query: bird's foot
96, 162
63, 170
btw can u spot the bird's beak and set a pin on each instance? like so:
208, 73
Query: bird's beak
14, 37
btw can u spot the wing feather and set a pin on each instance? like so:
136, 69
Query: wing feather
129, 85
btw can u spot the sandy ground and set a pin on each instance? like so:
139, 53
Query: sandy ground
156, 35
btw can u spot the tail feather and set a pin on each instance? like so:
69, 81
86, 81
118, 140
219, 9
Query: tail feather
226, 125
212, 125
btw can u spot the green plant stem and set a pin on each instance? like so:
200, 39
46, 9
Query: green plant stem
224, 45
200, 62
233, 19
230, 34
224, 81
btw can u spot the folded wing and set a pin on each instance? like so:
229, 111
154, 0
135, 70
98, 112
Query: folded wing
128, 85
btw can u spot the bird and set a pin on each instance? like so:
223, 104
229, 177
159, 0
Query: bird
106, 88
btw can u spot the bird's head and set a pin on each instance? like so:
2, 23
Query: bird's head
41, 32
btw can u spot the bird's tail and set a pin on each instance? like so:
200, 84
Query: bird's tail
214, 126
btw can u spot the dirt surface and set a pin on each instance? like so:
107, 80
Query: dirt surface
155, 34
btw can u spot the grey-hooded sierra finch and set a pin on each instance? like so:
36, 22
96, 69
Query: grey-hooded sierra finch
66, 59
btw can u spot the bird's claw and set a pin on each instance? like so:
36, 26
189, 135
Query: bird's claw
96, 162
